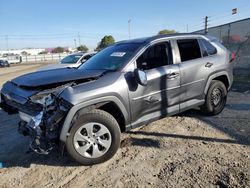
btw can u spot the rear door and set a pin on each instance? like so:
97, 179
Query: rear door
212, 61
194, 71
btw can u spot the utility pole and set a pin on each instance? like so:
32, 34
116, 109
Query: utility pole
75, 43
79, 39
187, 28
206, 24
129, 28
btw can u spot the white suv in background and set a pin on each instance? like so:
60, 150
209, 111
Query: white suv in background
72, 60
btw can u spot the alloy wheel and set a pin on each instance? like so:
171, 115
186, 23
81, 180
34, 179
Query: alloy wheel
92, 140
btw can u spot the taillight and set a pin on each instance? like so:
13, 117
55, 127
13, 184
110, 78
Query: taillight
233, 57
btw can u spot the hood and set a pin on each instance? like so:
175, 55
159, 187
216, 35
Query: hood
57, 66
56, 77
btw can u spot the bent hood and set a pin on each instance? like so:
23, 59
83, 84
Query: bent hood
56, 76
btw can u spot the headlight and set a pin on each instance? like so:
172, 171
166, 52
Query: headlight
43, 99
47, 97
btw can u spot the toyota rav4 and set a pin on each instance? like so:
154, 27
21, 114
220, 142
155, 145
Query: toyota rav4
126, 85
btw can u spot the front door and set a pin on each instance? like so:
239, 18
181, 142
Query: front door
160, 96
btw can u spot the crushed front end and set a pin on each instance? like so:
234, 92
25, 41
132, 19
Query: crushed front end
41, 111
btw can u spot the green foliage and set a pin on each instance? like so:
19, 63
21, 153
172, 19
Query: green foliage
58, 50
82, 48
106, 41
166, 31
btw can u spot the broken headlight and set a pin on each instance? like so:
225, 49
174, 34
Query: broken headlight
44, 99
48, 97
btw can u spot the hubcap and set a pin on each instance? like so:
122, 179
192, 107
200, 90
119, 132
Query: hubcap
216, 97
92, 140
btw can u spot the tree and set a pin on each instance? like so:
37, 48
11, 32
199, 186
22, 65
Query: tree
106, 41
58, 50
82, 48
166, 31
24, 53
43, 52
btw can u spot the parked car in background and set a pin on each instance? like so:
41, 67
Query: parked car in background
126, 85
4, 63
12, 58
72, 60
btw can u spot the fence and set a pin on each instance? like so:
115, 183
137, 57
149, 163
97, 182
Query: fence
236, 37
34, 58
43, 57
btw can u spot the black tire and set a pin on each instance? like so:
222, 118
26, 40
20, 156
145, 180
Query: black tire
98, 116
210, 107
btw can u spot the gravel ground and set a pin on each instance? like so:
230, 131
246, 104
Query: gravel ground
187, 150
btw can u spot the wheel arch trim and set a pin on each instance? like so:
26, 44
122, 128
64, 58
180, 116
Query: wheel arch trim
67, 122
213, 76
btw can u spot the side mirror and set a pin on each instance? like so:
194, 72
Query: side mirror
141, 77
83, 61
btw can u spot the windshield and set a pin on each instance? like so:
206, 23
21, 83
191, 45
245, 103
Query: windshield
111, 58
71, 59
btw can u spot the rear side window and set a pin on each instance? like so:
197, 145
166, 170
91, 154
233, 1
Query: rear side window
203, 49
189, 49
211, 50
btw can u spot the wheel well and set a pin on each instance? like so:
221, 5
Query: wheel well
223, 79
115, 111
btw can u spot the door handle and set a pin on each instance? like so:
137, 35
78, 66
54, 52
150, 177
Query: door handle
208, 64
172, 75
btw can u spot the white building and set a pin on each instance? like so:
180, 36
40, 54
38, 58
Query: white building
31, 51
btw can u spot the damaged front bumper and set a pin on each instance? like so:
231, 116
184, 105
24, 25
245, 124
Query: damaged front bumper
44, 128
41, 122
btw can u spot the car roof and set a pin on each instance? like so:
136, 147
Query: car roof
157, 37
82, 53
78, 53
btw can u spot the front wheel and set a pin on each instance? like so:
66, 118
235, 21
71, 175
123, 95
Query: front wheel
216, 98
94, 138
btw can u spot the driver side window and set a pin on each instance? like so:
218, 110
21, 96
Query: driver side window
155, 56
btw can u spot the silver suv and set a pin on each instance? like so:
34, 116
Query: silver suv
126, 85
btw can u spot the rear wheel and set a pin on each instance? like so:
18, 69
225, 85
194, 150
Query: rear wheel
215, 99
94, 138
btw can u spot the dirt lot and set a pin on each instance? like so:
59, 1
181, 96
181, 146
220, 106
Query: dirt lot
18, 69
188, 150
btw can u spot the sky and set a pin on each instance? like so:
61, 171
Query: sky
51, 23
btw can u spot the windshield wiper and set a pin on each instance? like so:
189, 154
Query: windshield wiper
108, 71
